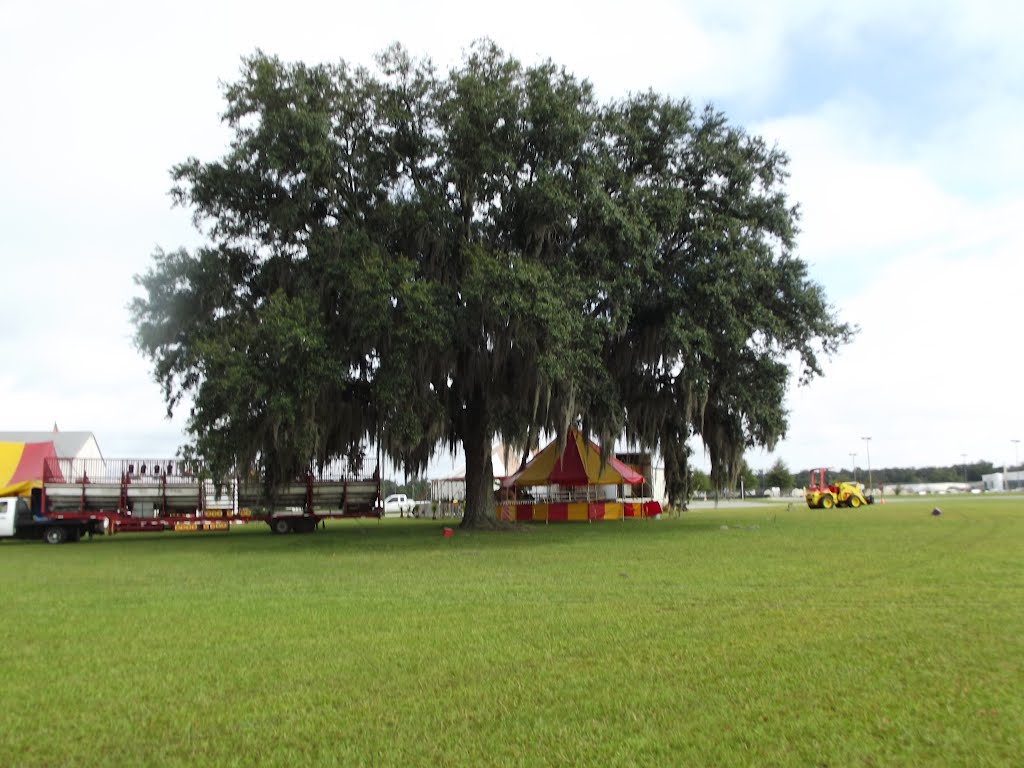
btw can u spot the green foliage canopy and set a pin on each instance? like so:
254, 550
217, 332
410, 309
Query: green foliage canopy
429, 260
779, 476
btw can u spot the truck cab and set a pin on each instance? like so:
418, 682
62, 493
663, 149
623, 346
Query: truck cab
398, 504
14, 512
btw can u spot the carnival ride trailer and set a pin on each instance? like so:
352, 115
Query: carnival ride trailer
123, 496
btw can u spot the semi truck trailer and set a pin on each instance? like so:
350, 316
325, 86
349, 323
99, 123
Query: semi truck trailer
79, 497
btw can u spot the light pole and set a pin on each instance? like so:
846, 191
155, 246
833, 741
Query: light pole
867, 447
1016, 452
853, 460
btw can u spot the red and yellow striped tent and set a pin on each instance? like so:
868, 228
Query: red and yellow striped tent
22, 465
577, 464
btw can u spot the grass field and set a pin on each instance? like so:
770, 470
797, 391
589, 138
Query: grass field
762, 636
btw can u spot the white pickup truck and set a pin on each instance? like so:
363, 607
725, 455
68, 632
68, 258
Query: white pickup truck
17, 521
399, 504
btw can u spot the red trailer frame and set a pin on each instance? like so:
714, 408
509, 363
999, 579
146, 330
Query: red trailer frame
131, 495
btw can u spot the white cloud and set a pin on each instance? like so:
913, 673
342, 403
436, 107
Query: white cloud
934, 372
928, 265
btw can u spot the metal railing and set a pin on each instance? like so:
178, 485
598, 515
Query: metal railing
157, 471
152, 471
176, 486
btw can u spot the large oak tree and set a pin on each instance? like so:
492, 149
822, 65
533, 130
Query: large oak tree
428, 260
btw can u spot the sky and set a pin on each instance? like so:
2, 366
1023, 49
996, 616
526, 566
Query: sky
901, 119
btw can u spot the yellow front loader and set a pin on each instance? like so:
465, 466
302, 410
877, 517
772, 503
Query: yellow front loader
822, 495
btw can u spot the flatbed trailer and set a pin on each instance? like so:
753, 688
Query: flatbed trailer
114, 496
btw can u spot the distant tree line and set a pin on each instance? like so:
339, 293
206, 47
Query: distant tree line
779, 476
953, 473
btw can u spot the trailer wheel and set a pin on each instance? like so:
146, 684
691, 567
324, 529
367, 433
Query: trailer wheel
54, 535
281, 525
827, 502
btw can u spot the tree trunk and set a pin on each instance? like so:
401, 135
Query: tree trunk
476, 442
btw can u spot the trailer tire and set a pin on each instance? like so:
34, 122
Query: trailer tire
55, 535
281, 525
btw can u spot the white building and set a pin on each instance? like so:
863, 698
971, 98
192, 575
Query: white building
67, 445
1004, 481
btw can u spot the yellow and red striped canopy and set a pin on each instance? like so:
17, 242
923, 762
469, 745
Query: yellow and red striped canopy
579, 463
21, 467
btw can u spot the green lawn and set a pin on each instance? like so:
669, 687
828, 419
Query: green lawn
764, 636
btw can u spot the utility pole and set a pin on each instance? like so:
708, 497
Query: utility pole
1016, 464
867, 447
964, 457
853, 460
